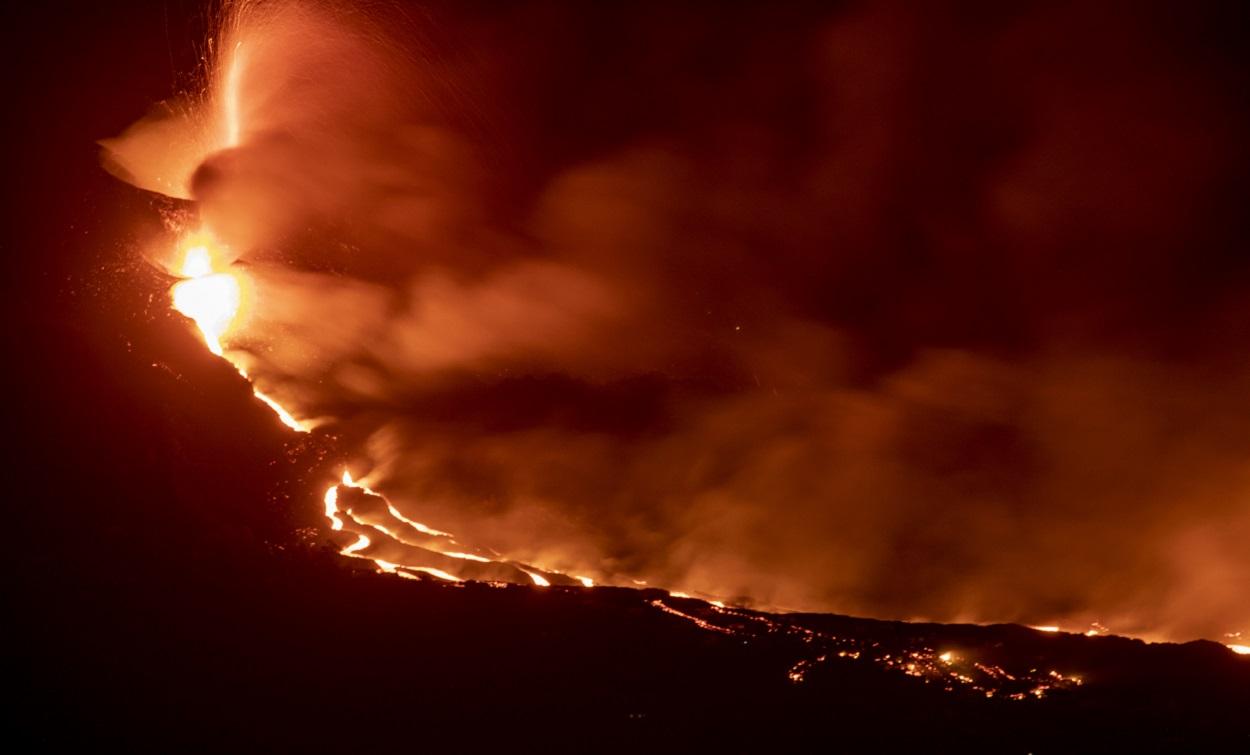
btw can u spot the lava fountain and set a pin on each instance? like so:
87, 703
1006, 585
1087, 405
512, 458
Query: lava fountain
210, 295
213, 294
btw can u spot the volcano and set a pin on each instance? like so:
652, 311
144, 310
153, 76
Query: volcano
176, 584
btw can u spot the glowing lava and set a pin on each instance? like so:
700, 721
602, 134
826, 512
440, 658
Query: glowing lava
414, 555
211, 299
332, 508
336, 519
212, 294
539, 579
361, 543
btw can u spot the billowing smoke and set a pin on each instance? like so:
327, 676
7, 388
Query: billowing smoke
871, 309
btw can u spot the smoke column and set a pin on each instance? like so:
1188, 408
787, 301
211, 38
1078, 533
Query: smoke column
859, 309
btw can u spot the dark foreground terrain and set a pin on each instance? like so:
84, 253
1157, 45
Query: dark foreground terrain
295, 652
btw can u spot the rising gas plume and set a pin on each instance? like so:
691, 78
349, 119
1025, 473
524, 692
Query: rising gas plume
849, 309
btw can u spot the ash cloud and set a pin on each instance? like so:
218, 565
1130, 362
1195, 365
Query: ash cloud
873, 309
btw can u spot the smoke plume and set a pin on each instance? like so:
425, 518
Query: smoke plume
873, 309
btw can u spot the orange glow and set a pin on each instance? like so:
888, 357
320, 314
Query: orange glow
418, 526
386, 567
335, 517
212, 302
436, 573
277, 408
1239, 649
700, 623
406, 571
230, 105
197, 262
198, 255
1046, 628
332, 508
466, 556
212, 295
361, 543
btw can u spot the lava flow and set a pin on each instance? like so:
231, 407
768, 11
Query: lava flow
405, 547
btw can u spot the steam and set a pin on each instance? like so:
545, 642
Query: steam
852, 310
